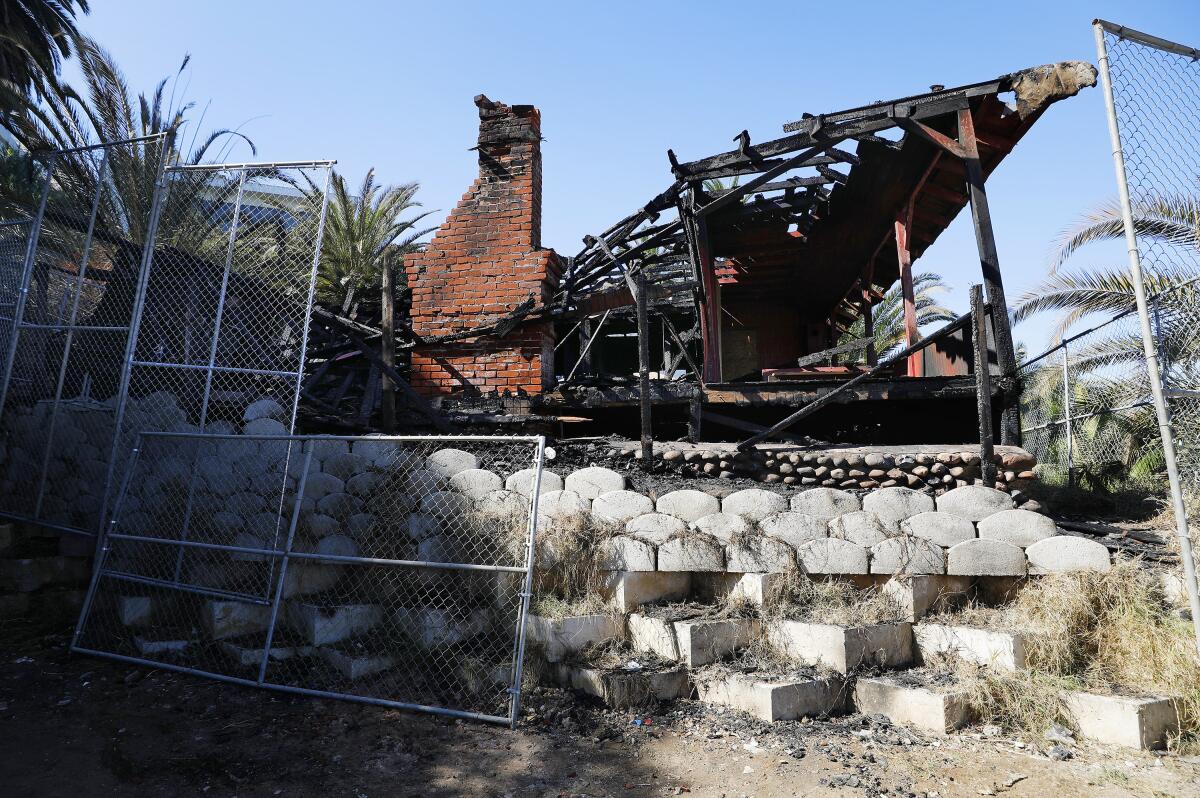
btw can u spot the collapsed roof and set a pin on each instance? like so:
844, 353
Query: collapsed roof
806, 218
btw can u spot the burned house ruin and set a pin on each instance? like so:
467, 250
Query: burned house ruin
751, 267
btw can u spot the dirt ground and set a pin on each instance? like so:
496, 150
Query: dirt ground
76, 726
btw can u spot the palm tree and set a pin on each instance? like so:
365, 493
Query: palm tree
68, 120
888, 315
35, 36
1106, 370
364, 235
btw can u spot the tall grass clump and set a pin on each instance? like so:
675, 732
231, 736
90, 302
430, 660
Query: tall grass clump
1104, 632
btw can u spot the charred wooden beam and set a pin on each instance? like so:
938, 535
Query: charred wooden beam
809, 409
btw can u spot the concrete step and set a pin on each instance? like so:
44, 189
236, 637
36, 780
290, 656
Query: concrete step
843, 648
994, 648
625, 688
694, 642
775, 698
939, 709
27, 574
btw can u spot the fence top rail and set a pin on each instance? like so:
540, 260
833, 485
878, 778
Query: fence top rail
351, 438
1072, 338
101, 145
1147, 39
216, 167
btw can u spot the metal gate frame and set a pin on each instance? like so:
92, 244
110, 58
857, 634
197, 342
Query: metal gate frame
146, 266
285, 555
18, 321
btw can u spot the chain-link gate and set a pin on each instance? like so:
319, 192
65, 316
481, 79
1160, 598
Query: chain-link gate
173, 299
1155, 86
388, 570
68, 312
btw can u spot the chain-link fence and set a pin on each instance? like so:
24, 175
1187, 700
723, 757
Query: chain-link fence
1156, 99
68, 311
150, 300
1086, 409
391, 570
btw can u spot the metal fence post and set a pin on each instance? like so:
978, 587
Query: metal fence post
283, 565
166, 146
1066, 381
35, 231
527, 585
67, 345
1148, 343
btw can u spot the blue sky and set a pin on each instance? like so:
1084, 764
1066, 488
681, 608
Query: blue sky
390, 84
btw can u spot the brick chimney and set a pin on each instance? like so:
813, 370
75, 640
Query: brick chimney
484, 261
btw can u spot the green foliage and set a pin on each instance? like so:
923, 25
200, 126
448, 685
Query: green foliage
888, 315
364, 235
35, 36
1114, 450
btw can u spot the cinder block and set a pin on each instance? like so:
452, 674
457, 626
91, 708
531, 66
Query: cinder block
232, 618
321, 625
622, 689
560, 637
430, 627
920, 594
135, 610
753, 588
1117, 720
939, 711
702, 642
776, 699
629, 590
356, 666
995, 648
250, 656
653, 635
843, 648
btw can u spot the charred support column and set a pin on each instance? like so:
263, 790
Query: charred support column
983, 386
985, 239
387, 399
710, 319
916, 365
643, 330
869, 328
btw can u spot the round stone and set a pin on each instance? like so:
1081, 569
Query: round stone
974, 502
825, 502
859, 527
907, 555
448, 462
688, 505
655, 527
893, 505
793, 528
1018, 527
722, 526
591, 482
944, 529
754, 503
621, 506
475, 482
522, 481
264, 426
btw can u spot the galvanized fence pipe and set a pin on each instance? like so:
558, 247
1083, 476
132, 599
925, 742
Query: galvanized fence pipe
1150, 348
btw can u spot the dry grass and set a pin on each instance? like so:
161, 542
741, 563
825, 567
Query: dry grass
568, 579
1103, 632
797, 597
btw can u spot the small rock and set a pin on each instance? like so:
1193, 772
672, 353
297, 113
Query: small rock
1059, 754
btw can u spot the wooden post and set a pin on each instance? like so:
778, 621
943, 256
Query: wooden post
695, 411
983, 387
710, 320
387, 324
643, 330
989, 260
869, 329
916, 363
585, 352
